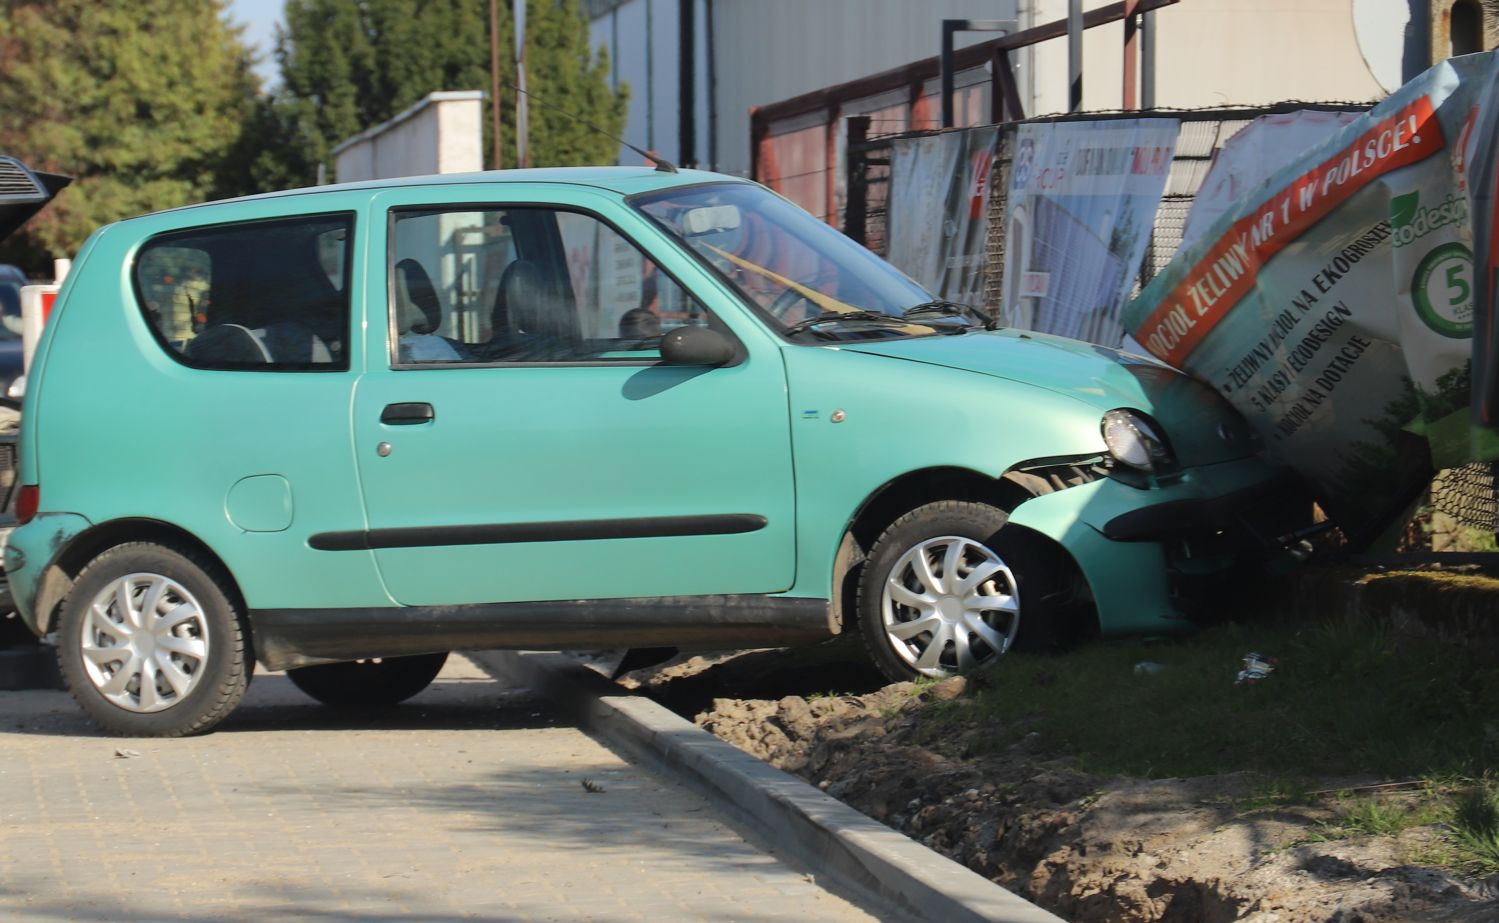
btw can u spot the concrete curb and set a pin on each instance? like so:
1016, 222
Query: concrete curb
878, 865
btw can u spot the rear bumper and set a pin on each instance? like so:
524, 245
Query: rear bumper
29, 551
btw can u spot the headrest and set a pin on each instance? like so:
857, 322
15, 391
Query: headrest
417, 307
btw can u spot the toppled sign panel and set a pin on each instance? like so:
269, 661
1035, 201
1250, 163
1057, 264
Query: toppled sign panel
1334, 304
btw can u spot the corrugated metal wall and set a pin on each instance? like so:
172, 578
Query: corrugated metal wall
770, 50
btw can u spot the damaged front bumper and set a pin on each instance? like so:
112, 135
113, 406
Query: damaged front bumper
1147, 553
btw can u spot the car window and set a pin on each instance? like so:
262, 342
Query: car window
268, 295
525, 285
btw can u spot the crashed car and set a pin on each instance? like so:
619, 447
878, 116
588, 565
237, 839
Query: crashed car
342, 431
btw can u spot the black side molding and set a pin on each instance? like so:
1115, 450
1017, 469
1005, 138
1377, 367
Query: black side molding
576, 530
296, 637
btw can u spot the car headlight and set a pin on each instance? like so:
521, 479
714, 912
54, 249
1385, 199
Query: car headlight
1134, 440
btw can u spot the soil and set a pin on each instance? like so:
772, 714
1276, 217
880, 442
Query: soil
1086, 847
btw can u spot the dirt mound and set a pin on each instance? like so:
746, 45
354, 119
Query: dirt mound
1087, 847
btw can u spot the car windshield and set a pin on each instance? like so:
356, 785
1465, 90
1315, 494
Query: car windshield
802, 275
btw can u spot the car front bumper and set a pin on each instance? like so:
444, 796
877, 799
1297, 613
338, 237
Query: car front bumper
1139, 548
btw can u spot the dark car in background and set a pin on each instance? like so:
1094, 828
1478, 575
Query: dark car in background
11, 360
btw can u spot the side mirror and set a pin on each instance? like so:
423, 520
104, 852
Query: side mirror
696, 346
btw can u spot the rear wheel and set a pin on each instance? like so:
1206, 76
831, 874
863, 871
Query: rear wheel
150, 642
368, 683
943, 590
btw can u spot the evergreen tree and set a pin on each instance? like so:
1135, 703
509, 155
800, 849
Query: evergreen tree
139, 100
349, 64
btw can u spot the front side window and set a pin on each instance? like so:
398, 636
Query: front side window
264, 295
802, 276
525, 285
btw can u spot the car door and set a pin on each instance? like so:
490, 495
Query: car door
518, 438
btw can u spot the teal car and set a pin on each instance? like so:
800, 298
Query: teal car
342, 431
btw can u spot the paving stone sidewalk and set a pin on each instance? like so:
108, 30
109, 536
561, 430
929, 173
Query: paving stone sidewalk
467, 803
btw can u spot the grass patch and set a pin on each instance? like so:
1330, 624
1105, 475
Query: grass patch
1473, 830
1343, 700
1380, 816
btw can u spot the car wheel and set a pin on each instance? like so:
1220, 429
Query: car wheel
942, 591
150, 643
368, 683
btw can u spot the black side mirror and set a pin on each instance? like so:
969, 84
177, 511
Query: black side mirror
696, 346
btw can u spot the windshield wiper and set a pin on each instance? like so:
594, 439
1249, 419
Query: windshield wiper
951, 309
828, 317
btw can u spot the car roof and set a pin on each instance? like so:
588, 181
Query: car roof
625, 181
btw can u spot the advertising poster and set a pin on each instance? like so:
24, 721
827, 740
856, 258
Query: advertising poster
1334, 304
1081, 205
939, 211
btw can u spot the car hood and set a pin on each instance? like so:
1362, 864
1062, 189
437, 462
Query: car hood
1201, 426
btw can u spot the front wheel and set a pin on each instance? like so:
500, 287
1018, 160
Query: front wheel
150, 642
943, 590
368, 683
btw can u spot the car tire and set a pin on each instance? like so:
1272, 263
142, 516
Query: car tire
151, 643
915, 622
368, 683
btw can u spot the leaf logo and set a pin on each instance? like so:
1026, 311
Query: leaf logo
1403, 209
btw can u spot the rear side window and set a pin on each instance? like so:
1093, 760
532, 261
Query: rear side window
267, 295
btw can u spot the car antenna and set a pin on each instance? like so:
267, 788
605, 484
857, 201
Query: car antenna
662, 164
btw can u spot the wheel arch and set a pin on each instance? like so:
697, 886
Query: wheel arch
914, 489
57, 580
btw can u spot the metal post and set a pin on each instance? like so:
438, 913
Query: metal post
945, 59
522, 102
494, 84
1131, 54
856, 181
1147, 63
1074, 55
650, 79
944, 64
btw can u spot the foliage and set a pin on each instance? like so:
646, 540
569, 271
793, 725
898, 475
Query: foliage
140, 101
347, 65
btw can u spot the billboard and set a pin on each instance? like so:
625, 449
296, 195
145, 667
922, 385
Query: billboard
1333, 304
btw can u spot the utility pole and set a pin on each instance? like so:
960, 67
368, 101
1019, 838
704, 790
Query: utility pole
496, 161
522, 109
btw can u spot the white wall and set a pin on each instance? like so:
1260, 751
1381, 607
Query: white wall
441, 133
1218, 53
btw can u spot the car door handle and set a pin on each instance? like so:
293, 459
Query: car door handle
407, 414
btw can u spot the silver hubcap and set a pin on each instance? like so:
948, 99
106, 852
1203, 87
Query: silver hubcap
145, 642
950, 606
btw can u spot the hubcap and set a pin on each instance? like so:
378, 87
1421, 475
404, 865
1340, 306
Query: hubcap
145, 642
950, 606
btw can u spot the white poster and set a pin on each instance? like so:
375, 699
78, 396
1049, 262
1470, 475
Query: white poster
1081, 205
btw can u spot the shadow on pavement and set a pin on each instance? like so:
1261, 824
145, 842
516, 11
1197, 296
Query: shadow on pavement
274, 704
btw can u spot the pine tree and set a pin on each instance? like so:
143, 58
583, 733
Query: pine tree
349, 64
139, 100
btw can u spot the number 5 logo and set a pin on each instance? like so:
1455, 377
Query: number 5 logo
1442, 290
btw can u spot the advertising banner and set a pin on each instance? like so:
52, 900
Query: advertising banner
939, 211
1081, 205
1334, 304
